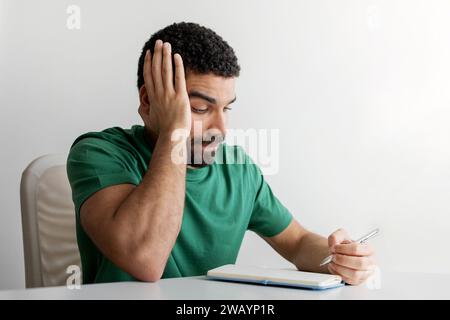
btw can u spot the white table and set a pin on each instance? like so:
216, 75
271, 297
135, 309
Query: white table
393, 286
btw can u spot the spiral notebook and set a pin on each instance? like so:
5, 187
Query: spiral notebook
275, 277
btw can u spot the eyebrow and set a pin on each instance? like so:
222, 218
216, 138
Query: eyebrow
198, 94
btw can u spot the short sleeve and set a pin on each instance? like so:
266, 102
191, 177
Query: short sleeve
269, 217
94, 164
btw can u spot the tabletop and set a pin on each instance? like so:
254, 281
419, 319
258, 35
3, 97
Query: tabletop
390, 285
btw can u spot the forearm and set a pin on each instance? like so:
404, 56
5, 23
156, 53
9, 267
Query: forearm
148, 221
312, 249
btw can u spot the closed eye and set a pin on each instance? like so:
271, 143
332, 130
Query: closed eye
199, 110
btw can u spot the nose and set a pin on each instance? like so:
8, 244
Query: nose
219, 122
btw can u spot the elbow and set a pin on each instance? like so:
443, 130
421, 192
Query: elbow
143, 267
143, 262
148, 267
146, 271
151, 276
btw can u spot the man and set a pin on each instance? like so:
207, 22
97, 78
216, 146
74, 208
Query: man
143, 215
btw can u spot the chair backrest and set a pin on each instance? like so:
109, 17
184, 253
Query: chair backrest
48, 222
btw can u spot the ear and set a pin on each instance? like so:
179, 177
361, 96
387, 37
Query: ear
144, 105
144, 102
144, 111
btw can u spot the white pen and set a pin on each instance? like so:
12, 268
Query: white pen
360, 240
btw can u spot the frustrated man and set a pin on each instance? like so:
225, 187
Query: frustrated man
145, 210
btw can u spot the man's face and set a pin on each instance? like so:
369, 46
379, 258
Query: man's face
210, 97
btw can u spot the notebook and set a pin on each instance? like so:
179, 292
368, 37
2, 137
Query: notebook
276, 277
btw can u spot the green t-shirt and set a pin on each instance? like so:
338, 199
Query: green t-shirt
222, 201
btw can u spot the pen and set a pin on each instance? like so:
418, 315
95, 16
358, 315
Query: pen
360, 240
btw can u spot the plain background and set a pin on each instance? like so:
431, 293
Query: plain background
358, 89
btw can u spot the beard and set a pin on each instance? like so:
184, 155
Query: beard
202, 150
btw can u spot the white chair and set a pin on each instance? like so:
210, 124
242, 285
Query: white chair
48, 222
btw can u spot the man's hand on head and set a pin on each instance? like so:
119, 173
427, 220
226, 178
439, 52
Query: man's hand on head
352, 261
168, 99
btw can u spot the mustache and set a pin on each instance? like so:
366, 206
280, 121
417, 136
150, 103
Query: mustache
208, 138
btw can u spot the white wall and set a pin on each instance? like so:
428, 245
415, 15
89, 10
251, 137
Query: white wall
359, 90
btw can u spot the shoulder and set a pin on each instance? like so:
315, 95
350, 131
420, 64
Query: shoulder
112, 141
111, 150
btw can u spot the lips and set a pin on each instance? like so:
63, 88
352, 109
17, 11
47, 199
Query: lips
210, 145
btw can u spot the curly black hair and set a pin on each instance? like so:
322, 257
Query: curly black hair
203, 51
